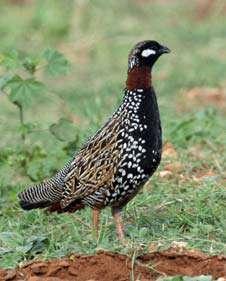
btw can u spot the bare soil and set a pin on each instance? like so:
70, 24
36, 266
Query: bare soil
112, 266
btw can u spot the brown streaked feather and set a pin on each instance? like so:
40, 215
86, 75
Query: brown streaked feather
56, 207
95, 166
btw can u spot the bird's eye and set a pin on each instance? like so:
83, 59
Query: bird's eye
147, 52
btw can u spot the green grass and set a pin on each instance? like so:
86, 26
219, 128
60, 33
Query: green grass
96, 39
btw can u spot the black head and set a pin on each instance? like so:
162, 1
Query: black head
146, 53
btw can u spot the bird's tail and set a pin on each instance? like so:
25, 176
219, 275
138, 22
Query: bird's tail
44, 194
39, 196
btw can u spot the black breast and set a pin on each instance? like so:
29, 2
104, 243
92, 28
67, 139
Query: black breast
149, 117
141, 144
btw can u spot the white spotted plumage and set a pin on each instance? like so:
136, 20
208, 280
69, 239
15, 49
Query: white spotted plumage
131, 175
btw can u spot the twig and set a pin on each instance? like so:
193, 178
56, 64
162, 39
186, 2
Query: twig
21, 115
132, 277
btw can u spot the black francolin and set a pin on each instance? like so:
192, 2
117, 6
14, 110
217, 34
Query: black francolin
115, 163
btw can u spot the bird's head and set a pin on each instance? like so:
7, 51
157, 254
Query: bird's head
145, 54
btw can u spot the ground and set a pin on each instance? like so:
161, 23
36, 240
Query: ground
184, 202
112, 266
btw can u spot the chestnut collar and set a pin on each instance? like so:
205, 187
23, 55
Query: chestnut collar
139, 78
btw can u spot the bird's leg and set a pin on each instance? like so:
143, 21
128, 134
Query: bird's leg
116, 212
96, 221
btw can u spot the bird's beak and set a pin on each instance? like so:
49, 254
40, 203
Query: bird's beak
164, 50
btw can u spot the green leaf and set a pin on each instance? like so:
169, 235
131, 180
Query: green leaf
64, 130
198, 278
39, 169
26, 128
187, 278
174, 278
57, 64
6, 236
10, 60
38, 243
4, 251
4, 79
72, 146
30, 64
23, 89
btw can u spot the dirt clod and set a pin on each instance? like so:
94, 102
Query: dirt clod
39, 268
111, 266
10, 275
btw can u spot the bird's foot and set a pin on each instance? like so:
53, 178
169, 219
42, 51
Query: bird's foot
116, 212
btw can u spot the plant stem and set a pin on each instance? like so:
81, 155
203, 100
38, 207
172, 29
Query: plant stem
21, 113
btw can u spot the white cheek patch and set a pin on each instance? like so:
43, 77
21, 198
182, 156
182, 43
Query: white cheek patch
148, 52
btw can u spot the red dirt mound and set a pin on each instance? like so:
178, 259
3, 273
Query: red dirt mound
111, 266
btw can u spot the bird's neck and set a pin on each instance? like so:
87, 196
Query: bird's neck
139, 78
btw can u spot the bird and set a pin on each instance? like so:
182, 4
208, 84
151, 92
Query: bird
114, 164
